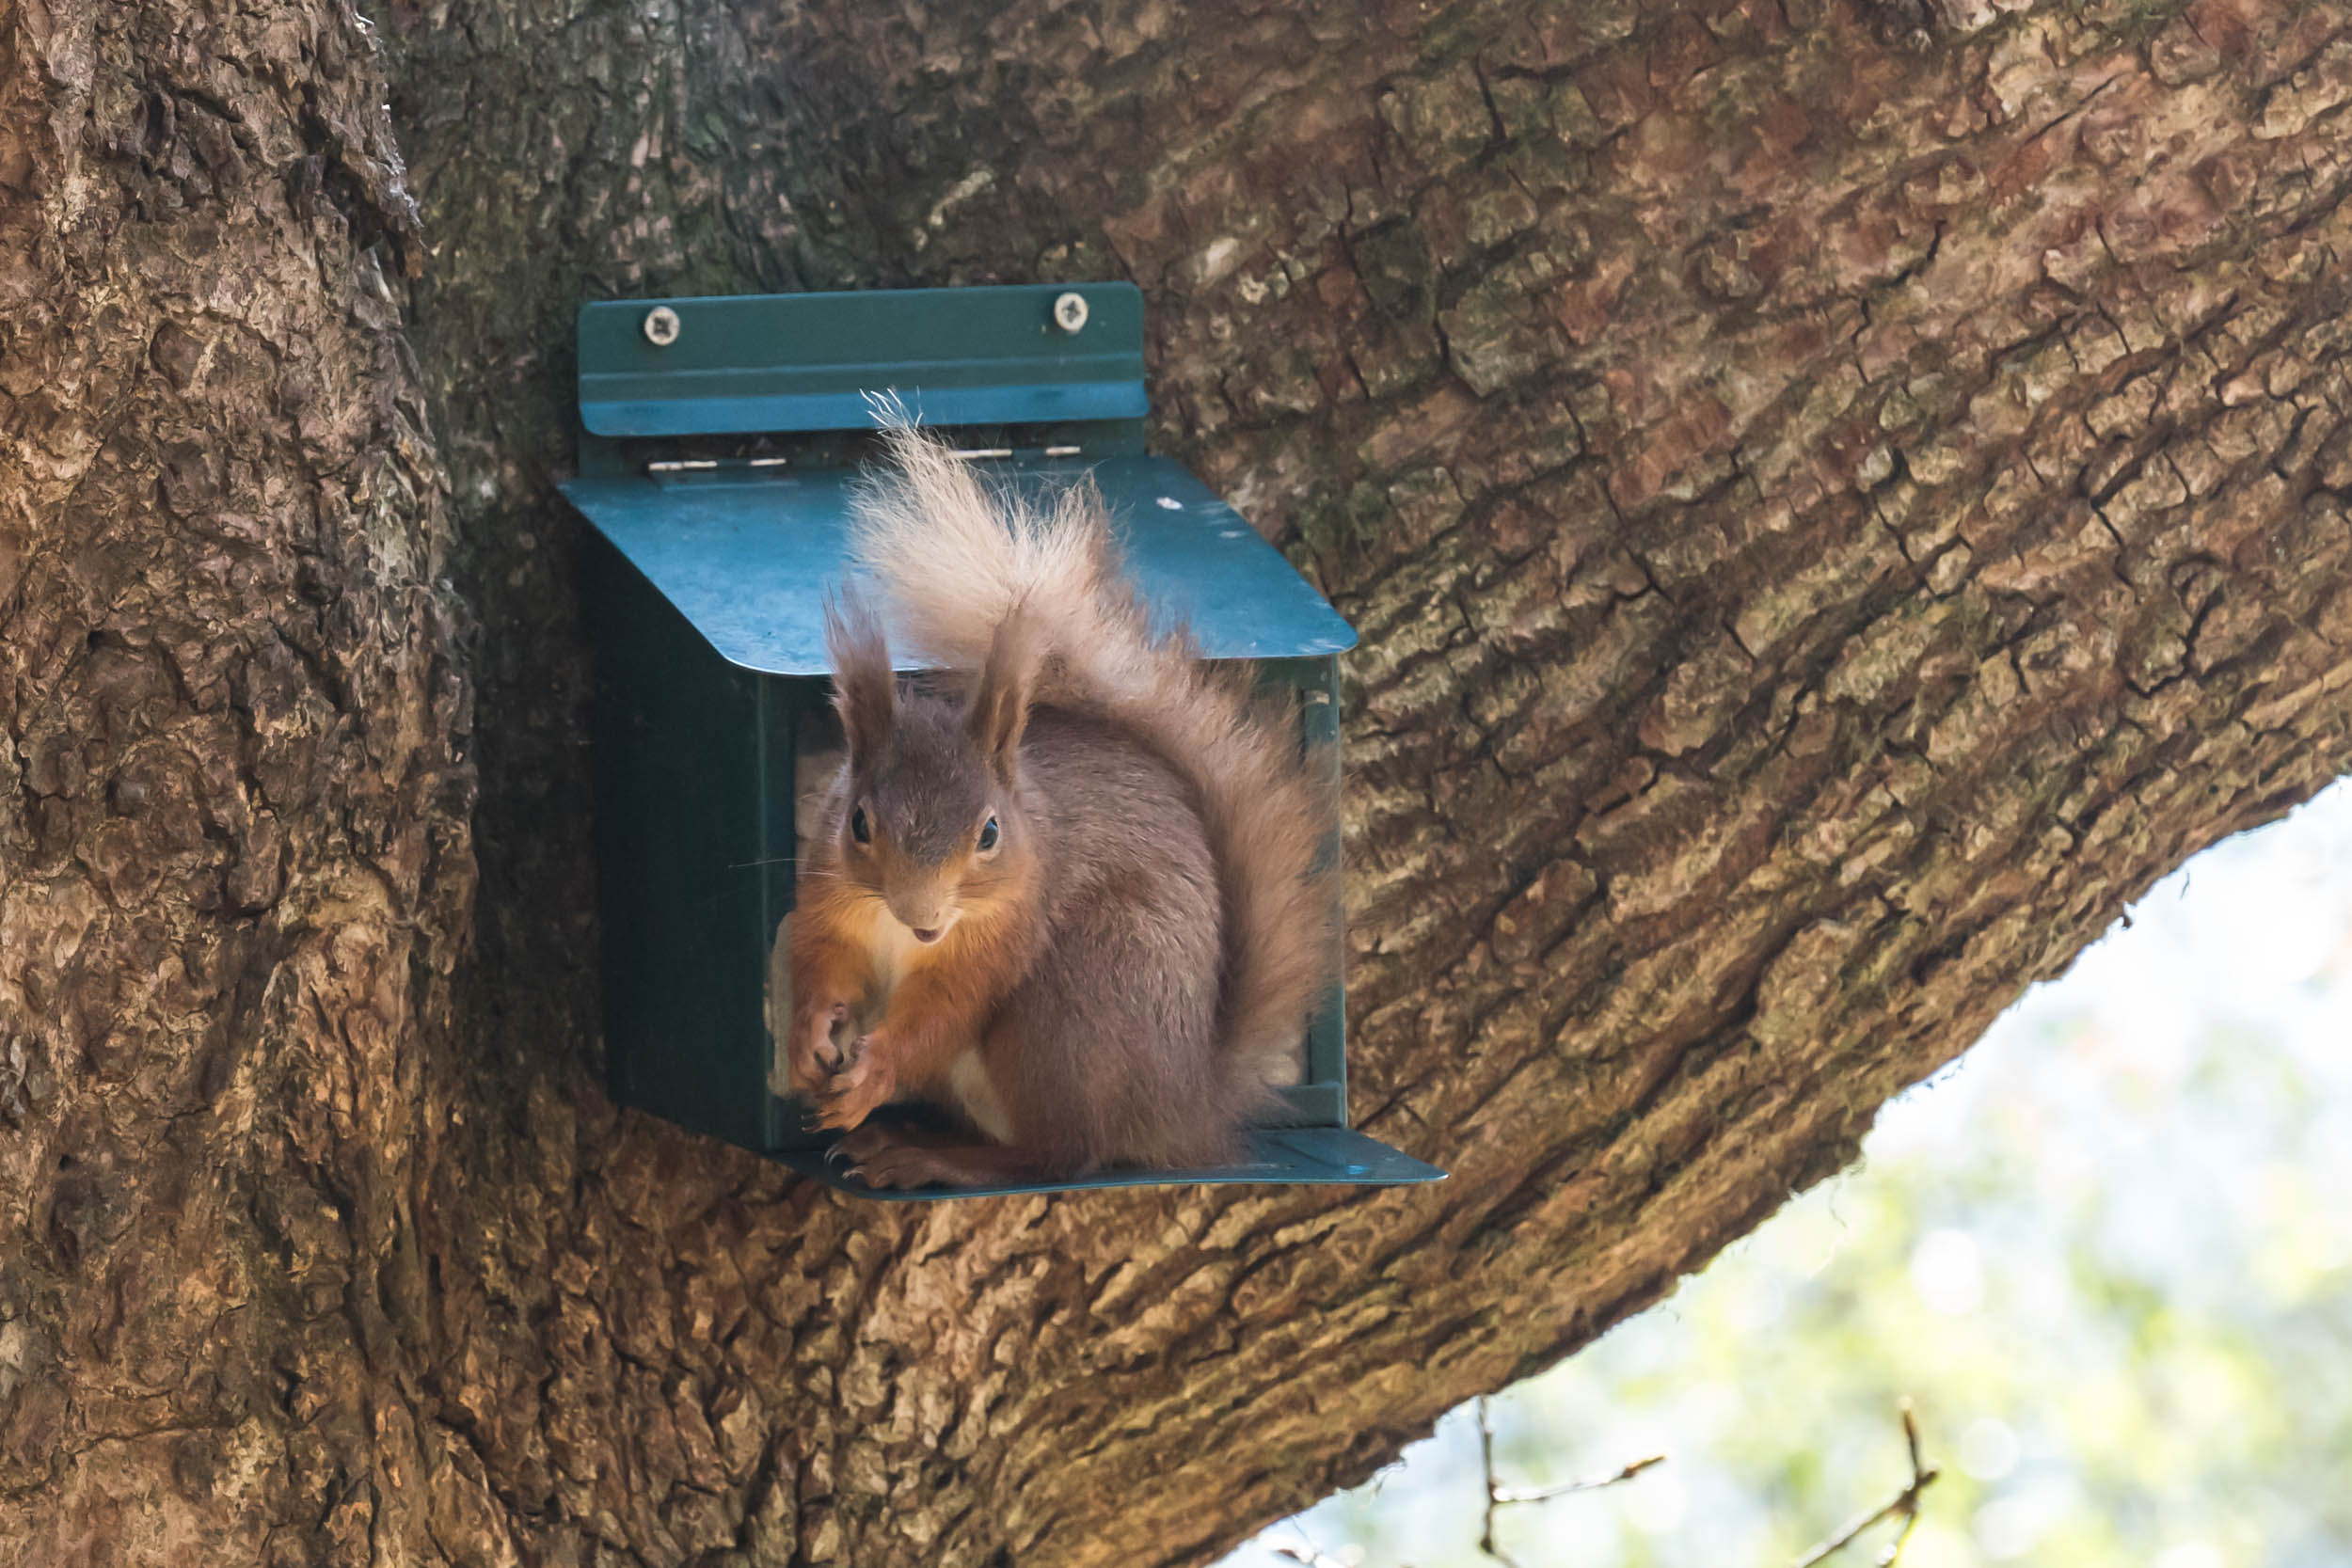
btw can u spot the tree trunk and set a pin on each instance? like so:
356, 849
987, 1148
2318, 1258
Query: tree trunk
234, 862
1838, 495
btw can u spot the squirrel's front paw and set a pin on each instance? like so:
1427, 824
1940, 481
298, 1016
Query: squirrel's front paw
817, 1052
855, 1089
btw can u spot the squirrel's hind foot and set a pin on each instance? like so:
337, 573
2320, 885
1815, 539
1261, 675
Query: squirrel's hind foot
904, 1158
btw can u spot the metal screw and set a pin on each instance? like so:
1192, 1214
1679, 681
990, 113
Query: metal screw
662, 326
1070, 312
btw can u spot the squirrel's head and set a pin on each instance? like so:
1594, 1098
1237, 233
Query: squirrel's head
928, 814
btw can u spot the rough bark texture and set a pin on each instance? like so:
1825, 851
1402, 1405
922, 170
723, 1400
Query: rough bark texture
1837, 496
234, 868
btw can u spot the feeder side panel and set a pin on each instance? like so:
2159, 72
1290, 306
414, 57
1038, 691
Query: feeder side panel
679, 843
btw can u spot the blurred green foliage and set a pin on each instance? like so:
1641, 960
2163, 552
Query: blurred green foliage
2108, 1256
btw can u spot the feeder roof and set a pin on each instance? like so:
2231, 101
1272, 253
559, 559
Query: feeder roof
748, 559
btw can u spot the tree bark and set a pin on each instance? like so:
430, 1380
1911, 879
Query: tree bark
1838, 497
234, 861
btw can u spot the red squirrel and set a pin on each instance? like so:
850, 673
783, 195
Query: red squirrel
1067, 895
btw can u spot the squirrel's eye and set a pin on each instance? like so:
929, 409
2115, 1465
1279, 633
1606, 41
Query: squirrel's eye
860, 828
988, 833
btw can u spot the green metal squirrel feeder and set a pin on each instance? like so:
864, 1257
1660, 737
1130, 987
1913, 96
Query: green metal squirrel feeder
719, 438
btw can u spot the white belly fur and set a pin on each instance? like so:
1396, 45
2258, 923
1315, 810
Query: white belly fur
895, 953
976, 1097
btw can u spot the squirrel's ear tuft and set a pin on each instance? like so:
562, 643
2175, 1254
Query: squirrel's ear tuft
1000, 703
864, 692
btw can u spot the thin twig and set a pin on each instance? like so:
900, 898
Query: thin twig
1590, 1483
1895, 1547
1905, 1505
1494, 1501
1499, 1495
1309, 1556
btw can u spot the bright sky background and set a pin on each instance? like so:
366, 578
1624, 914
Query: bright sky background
2108, 1255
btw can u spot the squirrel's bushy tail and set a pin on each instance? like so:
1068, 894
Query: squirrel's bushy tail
956, 558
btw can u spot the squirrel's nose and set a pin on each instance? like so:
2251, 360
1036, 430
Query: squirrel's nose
925, 933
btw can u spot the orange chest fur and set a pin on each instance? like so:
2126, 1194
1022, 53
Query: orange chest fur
970, 960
